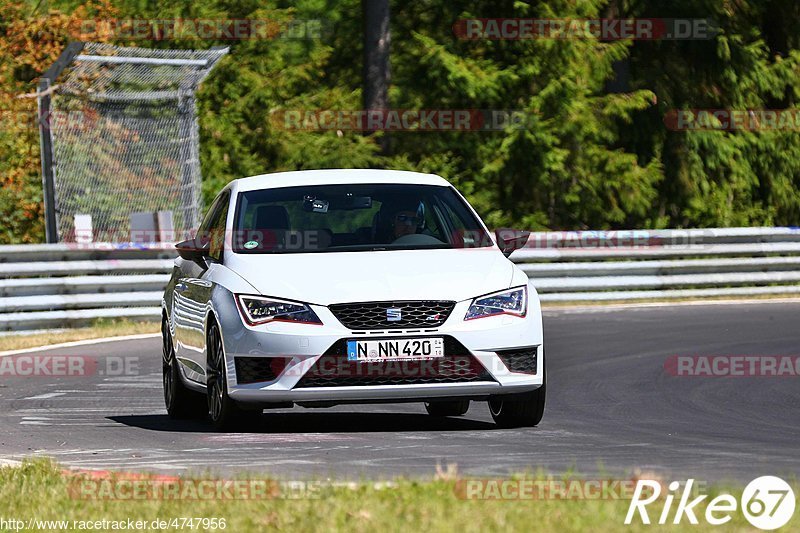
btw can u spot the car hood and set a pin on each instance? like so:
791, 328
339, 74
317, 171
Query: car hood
338, 277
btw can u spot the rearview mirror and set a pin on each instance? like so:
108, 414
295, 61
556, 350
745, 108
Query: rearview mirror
336, 203
194, 251
511, 239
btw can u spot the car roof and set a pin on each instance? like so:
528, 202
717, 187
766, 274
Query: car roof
334, 177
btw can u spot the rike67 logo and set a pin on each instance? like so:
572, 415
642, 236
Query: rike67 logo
767, 503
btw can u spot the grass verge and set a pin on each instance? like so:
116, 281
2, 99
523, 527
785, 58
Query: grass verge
98, 330
39, 490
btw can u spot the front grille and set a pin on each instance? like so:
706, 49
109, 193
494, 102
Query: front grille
258, 369
520, 360
373, 315
334, 370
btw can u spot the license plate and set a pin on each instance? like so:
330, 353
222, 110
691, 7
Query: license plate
395, 349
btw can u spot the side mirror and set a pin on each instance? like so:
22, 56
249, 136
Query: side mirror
194, 251
511, 239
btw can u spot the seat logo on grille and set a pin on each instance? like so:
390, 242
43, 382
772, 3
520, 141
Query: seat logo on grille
394, 314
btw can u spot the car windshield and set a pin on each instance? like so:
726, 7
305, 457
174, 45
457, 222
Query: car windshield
331, 218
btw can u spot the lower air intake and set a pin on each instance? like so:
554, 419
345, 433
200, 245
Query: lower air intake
333, 369
523, 360
258, 369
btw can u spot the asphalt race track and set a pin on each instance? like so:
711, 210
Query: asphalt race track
611, 408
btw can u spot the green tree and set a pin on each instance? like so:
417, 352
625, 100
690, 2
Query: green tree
721, 178
594, 151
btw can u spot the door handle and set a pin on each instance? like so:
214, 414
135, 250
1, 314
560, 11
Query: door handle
180, 287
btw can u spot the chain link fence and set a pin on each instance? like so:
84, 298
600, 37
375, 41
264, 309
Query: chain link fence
124, 133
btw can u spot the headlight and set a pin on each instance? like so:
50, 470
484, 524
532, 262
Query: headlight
260, 310
509, 302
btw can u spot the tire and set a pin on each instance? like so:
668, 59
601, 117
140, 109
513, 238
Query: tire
181, 402
519, 410
225, 414
447, 408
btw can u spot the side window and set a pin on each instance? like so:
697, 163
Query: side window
205, 225
217, 227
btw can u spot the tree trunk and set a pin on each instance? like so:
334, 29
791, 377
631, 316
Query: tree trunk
621, 82
377, 76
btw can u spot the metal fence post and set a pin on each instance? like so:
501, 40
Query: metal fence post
46, 137
46, 149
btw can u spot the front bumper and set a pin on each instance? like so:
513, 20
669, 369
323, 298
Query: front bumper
300, 346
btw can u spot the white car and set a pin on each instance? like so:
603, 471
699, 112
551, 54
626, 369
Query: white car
325, 287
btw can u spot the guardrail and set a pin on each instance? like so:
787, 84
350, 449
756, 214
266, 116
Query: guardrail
60, 285
46, 286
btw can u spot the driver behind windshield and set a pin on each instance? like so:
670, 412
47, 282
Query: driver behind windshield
405, 223
404, 217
